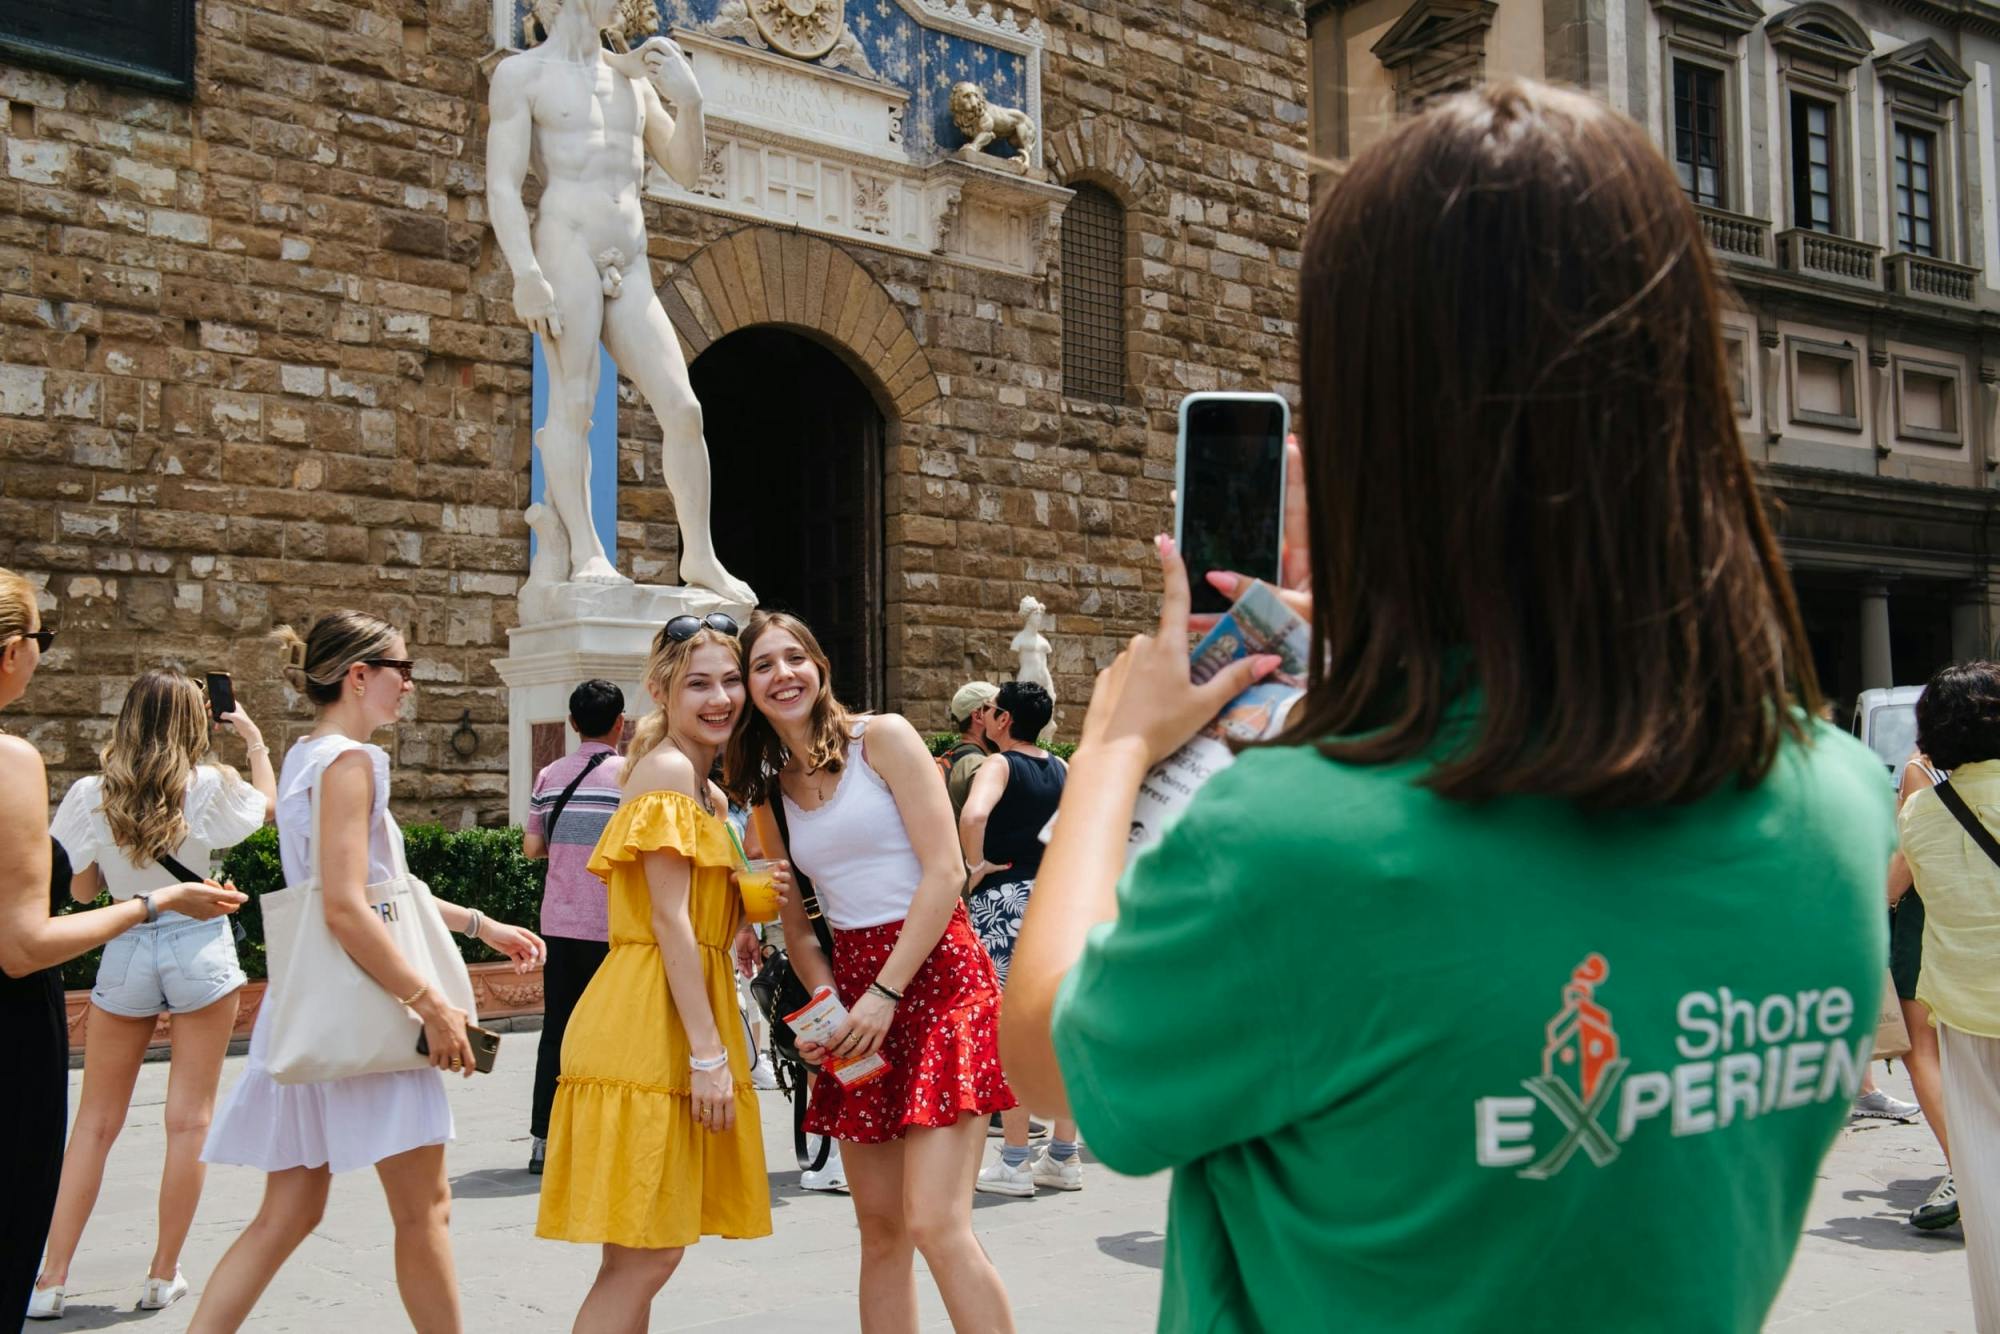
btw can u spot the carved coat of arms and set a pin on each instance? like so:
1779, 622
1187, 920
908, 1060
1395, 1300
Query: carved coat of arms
805, 29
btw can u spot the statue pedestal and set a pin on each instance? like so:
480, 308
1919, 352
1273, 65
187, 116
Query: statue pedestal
570, 633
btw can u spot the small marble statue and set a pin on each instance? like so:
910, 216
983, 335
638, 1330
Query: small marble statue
586, 119
1033, 647
983, 123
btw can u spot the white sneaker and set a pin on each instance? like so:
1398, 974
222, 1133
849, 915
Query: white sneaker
161, 1293
831, 1178
996, 1178
1876, 1103
1066, 1174
763, 1075
45, 1304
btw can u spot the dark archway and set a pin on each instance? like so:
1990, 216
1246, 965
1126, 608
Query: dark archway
797, 442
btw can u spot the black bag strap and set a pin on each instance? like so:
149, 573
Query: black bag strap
555, 811
1979, 833
177, 868
808, 896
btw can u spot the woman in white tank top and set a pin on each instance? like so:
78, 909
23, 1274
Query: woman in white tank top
870, 824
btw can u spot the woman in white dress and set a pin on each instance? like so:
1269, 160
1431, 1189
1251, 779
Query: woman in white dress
355, 668
152, 820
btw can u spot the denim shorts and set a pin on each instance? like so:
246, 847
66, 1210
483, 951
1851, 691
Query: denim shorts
171, 966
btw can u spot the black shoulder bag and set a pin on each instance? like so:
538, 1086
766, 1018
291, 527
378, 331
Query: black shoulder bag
779, 992
1978, 832
555, 811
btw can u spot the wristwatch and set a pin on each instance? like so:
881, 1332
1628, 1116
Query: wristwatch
146, 902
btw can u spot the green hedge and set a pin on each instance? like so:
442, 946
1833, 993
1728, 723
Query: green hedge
478, 868
940, 742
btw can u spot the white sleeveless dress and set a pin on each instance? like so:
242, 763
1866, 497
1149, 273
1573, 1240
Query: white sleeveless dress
344, 1123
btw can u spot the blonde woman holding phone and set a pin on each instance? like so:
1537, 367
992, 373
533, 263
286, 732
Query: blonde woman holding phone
356, 670
34, 944
152, 819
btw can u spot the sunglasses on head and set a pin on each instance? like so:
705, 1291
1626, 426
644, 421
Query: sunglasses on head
683, 628
42, 638
404, 666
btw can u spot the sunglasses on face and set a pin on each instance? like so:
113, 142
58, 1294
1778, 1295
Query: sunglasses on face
42, 638
404, 666
683, 628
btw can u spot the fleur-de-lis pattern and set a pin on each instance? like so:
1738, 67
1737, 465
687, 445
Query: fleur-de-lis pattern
901, 51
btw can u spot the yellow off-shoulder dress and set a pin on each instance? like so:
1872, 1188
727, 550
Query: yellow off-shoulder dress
627, 1162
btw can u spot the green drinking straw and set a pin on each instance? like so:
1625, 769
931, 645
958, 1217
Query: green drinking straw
737, 843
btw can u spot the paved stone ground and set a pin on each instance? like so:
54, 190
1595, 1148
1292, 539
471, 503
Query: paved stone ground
1082, 1262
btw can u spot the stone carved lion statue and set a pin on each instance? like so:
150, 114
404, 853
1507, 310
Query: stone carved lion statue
983, 123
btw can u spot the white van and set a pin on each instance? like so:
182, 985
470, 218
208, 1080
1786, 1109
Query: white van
1886, 723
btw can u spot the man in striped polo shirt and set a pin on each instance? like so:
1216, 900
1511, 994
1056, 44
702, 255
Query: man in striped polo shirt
573, 800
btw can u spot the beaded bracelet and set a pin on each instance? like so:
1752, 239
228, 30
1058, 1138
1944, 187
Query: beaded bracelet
705, 1067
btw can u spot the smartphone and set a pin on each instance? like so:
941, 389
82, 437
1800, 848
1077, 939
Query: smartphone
485, 1046
221, 695
1229, 489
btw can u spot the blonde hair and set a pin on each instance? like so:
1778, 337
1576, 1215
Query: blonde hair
755, 754
160, 735
316, 666
664, 671
18, 612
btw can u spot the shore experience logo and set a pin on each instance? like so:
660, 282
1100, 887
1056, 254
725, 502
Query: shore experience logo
1741, 1058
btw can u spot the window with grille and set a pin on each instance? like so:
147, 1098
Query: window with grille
1916, 200
1812, 163
1093, 296
1698, 131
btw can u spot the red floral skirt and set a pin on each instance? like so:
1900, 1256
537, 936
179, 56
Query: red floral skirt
943, 1047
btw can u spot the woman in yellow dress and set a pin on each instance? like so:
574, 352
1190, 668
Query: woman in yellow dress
654, 1141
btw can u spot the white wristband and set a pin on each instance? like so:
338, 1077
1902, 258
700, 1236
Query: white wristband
472, 927
705, 1067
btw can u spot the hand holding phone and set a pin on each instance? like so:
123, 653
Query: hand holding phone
484, 1041
1229, 490
221, 695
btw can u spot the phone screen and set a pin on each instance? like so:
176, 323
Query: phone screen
221, 694
1232, 491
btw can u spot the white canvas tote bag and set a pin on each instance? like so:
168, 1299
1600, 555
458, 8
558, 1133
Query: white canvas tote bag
330, 1019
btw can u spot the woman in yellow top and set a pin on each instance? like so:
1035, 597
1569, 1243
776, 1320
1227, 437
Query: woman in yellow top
1958, 728
654, 1140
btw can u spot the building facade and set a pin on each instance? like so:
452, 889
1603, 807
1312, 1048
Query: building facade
258, 357
1841, 157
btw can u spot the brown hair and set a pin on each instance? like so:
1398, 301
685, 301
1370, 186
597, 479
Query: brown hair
160, 736
18, 611
664, 670
1525, 483
755, 754
317, 665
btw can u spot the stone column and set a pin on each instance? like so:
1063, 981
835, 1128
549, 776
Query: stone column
1989, 416
1876, 668
1968, 624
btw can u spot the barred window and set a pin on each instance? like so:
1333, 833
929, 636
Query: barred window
1093, 296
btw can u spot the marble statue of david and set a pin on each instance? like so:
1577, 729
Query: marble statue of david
585, 119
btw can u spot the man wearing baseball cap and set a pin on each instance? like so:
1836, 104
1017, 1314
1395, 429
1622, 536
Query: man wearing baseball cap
970, 708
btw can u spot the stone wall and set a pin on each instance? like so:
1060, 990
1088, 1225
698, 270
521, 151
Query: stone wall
259, 360
253, 368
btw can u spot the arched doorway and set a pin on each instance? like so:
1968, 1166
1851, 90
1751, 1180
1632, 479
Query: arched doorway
796, 444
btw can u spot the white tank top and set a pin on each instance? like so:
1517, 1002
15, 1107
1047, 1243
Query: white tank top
855, 847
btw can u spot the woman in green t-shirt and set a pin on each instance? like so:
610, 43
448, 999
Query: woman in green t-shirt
1583, 909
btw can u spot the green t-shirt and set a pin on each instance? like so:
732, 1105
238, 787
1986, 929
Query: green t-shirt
1425, 1066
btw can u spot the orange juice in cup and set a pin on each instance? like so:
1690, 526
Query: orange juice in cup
760, 895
